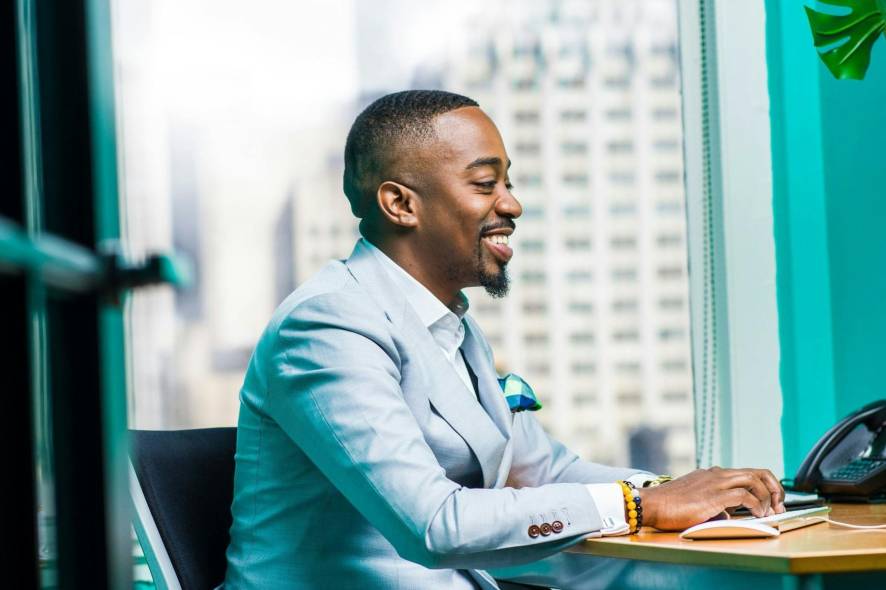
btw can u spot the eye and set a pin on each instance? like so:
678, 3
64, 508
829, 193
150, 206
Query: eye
486, 186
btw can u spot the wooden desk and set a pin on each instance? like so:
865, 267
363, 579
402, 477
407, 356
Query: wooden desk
817, 549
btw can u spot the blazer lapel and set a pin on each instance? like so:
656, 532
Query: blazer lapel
447, 395
483, 435
487, 380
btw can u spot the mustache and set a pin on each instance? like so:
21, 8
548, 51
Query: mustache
504, 223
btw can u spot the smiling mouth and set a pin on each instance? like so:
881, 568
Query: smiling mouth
498, 245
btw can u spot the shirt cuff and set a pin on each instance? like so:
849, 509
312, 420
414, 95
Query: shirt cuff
610, 504
640, 479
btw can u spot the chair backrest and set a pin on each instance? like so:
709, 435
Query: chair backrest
182, 486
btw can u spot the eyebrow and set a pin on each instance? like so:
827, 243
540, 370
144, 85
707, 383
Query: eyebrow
489, 161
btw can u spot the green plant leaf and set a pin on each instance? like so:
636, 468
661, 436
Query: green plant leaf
848, 38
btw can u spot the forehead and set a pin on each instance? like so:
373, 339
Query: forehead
464, 135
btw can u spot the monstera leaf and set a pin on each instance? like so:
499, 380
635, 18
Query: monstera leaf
848, 39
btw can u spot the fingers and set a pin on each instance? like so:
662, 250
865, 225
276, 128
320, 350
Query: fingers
735, 497
750, 480
776, 491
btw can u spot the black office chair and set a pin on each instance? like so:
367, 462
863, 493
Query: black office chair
182, 483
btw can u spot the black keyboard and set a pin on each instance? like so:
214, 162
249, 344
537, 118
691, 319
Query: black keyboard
856, 470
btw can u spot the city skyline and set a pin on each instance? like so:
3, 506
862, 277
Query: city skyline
586, 95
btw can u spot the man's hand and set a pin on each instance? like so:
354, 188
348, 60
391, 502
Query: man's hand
705, 493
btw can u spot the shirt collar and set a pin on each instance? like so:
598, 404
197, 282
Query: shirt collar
429, 309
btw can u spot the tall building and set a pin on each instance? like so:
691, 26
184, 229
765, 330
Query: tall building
586, 95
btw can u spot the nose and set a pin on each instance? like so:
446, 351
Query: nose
507, 205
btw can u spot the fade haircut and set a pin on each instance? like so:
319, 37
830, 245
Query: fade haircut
389, 123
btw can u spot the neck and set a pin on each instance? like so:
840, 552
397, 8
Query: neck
410, 258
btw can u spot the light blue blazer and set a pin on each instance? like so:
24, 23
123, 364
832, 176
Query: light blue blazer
357, 467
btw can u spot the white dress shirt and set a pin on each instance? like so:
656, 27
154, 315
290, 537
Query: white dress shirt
448, 331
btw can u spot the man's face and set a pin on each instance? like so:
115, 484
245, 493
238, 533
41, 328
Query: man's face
467, 208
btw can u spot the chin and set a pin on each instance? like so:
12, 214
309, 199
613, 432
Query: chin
497, 283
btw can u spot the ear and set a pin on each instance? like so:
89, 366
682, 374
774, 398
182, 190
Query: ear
397, 203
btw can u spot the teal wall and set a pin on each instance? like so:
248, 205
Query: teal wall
829, 202
854, 130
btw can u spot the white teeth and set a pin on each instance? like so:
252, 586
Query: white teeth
498, 239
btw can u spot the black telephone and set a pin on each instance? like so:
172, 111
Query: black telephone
849, 462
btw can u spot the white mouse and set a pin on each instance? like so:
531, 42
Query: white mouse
729, 529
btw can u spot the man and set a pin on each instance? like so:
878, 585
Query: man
375, 446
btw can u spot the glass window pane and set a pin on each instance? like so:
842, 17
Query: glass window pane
233, 124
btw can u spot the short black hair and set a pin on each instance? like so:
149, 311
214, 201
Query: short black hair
385, 124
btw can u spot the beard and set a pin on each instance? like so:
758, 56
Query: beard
497, 284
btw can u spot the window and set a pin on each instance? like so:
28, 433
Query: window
620, 147
573, 116
536, 338
196, 138
675, 396
671, 303
664, 114
628, 368
666, 334
532, 212
581, 307
528, 181
669, 240
626, 335
581, 337
535, 307
666, 145
674, 365
619, 114
622, 177
529, 246
623, 243
667, 273
669, 207
533, 276
624, 305
577, 211
527, 116
668, 176
525, 84
574, 147
528, 148
584, 398
578, 82
578, 244
584, 368
620, 83
624, 275
579, 276
622, 208
629, 397
572, 179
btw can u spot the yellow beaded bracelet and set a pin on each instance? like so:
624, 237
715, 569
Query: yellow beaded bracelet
633, 508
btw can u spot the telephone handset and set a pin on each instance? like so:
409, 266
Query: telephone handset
849, 461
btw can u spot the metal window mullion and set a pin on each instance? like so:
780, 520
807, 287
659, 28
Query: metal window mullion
102, 116
71, 191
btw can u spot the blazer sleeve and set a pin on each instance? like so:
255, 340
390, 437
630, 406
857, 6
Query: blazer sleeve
540, 459
334, 387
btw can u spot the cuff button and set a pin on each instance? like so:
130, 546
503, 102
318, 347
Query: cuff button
557, 527
545, 529
534, 531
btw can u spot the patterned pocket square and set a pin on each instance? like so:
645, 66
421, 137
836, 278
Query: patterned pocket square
518, 393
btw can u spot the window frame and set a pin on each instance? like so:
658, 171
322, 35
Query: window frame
733, 305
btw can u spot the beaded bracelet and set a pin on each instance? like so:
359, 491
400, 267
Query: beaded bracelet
633, 509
